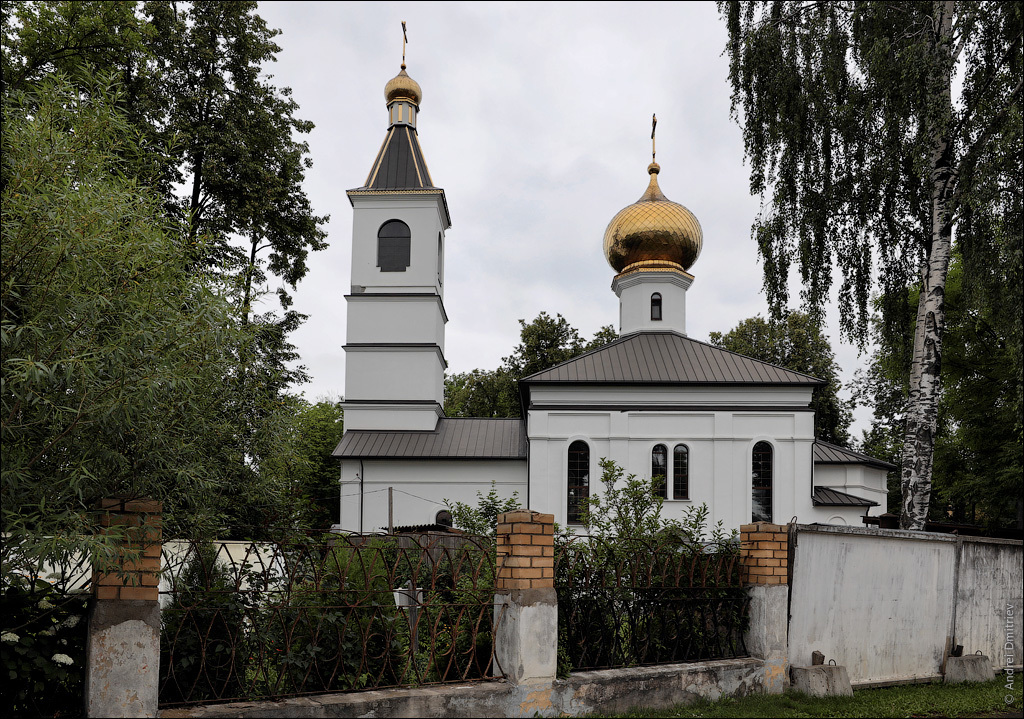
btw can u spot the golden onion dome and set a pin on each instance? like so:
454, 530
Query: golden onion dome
654, 233
403, 87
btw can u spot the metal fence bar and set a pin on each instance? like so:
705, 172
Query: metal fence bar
325, 614
630, 602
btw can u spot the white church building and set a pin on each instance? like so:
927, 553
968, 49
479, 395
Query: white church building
726, 430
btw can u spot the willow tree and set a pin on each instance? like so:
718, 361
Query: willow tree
874, 130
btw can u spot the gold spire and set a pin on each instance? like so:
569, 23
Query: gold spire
653, 233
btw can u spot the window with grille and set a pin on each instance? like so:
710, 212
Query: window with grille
394, 244
680, 472
659, 469
579, 481
761, 479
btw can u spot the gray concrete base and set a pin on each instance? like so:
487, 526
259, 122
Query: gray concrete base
526, 625
767, 637
821, 681
972, 668
601, 692
123, 658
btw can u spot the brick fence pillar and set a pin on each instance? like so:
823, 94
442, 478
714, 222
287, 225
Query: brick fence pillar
525, 605
764, 555
123, 650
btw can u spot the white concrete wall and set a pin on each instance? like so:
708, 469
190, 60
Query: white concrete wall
394, 373
988, 606
882, 602
420, 488
878, 602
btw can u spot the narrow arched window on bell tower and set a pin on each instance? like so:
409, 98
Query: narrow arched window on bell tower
394, 243
656, 306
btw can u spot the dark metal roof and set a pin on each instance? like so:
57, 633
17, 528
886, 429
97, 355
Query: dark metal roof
399, 164
667, 358
454, 438
828, 497
826, 453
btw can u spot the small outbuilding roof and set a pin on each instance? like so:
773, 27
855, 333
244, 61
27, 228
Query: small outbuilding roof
453, 438
667, 358
827, 453
828, 497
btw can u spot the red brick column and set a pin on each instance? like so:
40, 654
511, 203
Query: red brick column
764, 553
526, 550
135, 573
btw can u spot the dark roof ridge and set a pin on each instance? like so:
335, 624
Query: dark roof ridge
839, 449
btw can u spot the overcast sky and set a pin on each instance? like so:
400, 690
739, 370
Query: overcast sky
536, 122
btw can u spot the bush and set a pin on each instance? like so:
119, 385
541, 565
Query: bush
42, 648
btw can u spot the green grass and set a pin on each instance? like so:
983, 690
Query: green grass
917, 700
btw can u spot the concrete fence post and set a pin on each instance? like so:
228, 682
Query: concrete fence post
525, 604
764, 556
123, 647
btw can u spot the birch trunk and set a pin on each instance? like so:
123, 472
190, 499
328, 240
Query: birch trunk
923, 404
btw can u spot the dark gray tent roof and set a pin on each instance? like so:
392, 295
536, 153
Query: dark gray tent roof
667, 358
826, 453
828, 497
453, 438
399, 164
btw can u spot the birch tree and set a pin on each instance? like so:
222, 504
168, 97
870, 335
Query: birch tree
871, 128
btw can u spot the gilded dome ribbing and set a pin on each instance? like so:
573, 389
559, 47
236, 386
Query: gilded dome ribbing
653, 233
403, 87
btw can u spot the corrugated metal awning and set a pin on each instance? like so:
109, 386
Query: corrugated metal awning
827, 453
453, 438
828, 497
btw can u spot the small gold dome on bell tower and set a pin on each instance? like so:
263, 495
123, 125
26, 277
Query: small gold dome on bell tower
403, 87
653, 233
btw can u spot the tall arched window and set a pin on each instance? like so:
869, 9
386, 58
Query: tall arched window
761, 479
659, 469
656, 306
680, 472
393, 246
578, 490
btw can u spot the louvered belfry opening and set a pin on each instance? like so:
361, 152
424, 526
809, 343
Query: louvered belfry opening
394, 246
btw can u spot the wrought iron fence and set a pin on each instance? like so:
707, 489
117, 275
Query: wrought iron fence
324, 614
629, 602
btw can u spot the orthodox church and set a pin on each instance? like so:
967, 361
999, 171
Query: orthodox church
719, 428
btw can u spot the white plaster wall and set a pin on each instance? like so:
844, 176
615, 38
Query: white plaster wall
420, 488
720, 445
395, 320
394, 374
389, 417
423, 216
858, 480
635, 302
879, 602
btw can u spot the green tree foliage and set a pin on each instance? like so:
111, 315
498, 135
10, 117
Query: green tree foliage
114, 353
867, 159
978, 447
543, 343
483, 518
796, 343
205, 122
304, 465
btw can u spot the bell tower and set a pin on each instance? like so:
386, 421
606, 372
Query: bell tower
394, 349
